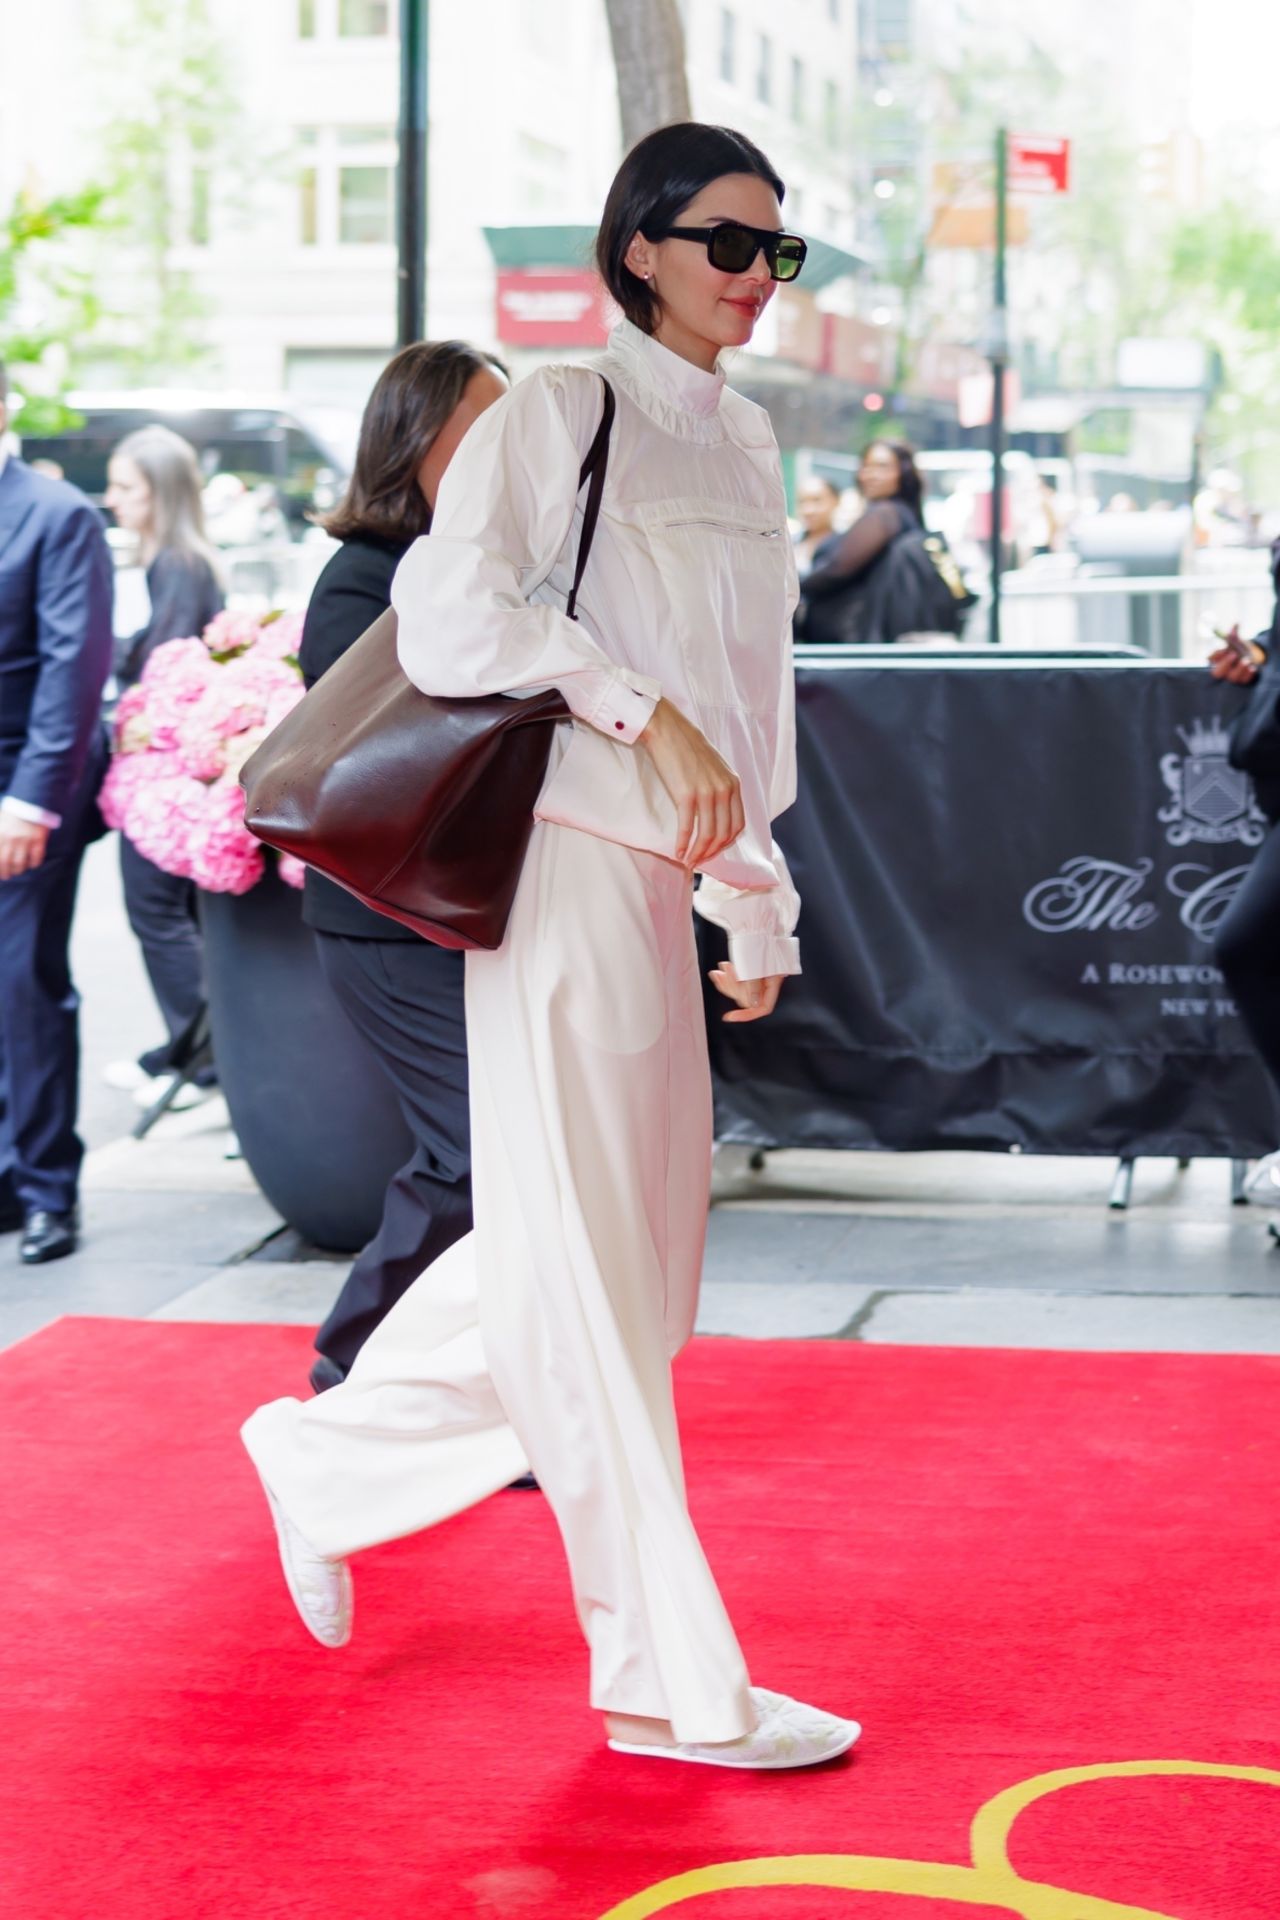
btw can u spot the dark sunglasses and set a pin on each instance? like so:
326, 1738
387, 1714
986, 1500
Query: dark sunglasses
732, 247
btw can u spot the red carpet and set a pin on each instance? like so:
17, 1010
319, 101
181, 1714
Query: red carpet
1005, 1564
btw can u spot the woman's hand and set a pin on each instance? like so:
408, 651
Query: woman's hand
755, 998
704, 788
1228, 664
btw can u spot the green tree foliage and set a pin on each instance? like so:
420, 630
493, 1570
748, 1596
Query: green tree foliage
176, 125
47, 298
1229, 261
1224, 287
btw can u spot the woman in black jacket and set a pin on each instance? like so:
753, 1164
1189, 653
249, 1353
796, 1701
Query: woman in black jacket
401, 993
843, 598
154, 492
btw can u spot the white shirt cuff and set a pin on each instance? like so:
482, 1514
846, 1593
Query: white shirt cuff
38, 816
758, 956
625, 708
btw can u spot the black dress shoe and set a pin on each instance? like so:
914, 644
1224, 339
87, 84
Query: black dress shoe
326, 1373
49, 1236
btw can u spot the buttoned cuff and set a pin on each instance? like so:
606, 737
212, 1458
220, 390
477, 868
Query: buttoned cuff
757, 956
23, 810
624, 709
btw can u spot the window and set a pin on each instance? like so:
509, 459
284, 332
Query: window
764, 71
365, 210
306, 19
346, 186
728, 45
308, 207
308, 142
364, 19
831, 111
797, 89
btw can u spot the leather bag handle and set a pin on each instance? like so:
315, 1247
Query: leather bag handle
594, 466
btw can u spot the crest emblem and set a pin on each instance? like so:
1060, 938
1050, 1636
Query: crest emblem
1209, 800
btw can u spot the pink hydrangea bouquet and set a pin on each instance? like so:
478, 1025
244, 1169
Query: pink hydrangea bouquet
183, 734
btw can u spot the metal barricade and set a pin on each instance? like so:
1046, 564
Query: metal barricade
1170, 616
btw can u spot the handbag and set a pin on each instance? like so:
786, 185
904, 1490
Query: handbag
923, 589
421, 807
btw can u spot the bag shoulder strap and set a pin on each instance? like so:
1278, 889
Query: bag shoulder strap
594, 467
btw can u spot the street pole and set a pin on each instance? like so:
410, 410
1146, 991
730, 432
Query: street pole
411, 175
999, 360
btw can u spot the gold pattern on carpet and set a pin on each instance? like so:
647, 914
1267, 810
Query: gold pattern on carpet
991, 1881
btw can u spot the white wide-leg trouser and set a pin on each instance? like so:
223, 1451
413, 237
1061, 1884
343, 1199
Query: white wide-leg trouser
546, 1335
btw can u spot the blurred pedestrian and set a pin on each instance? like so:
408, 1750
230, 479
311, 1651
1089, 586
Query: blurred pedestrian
1248, 941
154, 493
1044, 526
817, 503
545, 1337
403, 994
847, 598
55, 654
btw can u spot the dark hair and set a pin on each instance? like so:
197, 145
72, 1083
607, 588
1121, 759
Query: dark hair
910, 485
412, 398
655, 183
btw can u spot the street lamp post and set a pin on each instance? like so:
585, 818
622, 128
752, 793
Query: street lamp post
999, 360
411, 175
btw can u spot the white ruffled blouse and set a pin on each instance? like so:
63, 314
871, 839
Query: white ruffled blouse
688, 592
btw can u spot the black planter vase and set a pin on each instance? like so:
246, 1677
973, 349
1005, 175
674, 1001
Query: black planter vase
319, 1125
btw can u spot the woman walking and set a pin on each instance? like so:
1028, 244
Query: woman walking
846, 597
402, 995
544, 1338
153, 491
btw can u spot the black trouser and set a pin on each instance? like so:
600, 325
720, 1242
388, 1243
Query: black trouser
405, 998
40, 1150
162, 912
1248, 951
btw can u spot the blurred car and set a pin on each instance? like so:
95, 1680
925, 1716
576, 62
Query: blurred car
294, 463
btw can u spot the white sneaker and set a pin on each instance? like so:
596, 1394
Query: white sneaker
126, 1075
1262, 1188
789, 1734
320, 1589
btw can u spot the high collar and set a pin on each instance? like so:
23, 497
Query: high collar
677, 395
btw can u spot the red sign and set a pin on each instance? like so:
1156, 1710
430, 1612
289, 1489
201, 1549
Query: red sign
542, 308
1039, 163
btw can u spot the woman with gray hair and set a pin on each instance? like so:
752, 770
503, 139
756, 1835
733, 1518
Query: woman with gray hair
154, 492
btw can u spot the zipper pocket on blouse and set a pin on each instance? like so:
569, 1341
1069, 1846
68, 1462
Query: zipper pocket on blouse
725, 526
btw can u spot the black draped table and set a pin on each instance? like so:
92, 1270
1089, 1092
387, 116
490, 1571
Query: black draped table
1011, 871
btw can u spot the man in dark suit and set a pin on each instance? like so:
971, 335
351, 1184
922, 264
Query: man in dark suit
55, 653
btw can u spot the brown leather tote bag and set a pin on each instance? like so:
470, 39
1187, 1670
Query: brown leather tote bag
422, 808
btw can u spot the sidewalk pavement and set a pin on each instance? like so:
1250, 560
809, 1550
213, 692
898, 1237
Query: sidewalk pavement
924, 1249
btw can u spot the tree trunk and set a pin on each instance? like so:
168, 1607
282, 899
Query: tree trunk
648, 55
